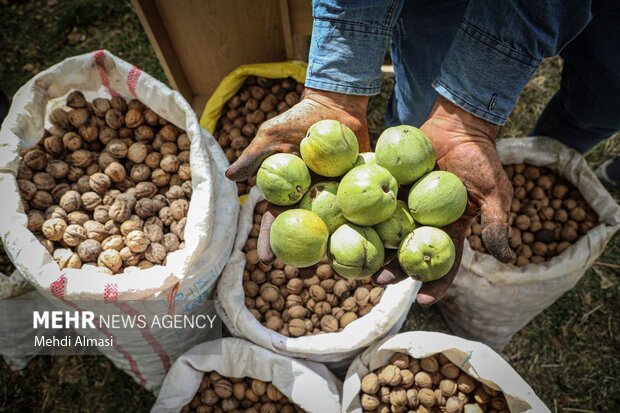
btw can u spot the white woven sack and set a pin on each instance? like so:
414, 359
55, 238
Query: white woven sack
475, 359
189, 273
309, 385
334, 349
490, 301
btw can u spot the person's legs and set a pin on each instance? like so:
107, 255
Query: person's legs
586, 110
420, 40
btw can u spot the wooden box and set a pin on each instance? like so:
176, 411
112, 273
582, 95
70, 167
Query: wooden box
198, 42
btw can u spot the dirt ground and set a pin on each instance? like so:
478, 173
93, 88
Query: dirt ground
570, 354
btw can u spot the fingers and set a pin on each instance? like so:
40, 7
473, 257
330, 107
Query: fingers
494, 219
248, 163
263, 247
433, 291
391, 272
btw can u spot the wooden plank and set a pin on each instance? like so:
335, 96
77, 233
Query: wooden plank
211, 38
286, 29
158, 36
301, 17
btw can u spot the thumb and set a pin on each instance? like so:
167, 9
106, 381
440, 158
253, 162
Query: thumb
494, 216
250, 160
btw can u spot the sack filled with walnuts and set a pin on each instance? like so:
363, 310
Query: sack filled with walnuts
235, 375
561, 220
245, 99
425, 372
101, 166
320, 317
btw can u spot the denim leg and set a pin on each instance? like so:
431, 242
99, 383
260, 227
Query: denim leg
586, 110
420, 40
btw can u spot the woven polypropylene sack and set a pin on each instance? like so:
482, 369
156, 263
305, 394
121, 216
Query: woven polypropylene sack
475, 359
309, 385
334, 349
189, 273
490, 301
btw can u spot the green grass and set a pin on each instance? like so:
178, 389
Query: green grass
570, 354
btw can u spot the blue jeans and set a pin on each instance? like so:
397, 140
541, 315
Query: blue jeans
479, 54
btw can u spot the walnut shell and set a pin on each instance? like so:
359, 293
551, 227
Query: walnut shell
65, 258
129, 257
168, 148
134, 118
76, 99
107, 134
60, 118
41, 200
131, 225
140, 172
179, 208
57, 169
89, 250
170, 242
114, 242
143, 133
90, 201
168, 133
117, 148
53, 145
137, 241
36, 219
153, 160
100, 182
101, 106
27, 189
155, 253
77, 217
35, 159
137, 152
110, 259
95, 230
185, 172
116, 172
71, 201
169, 163
114, 118
120, 210
74, 235
146, 208
160, 177
78, 117
155, 233
43, 181
72, 141
81, 158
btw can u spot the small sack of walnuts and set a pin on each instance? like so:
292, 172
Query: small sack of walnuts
226, 394
94, 186
293, 306
430, 384
257, 100
547, 215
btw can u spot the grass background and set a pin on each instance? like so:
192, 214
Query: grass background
570, 354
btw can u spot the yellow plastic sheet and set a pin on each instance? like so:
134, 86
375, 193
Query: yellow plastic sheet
233, 81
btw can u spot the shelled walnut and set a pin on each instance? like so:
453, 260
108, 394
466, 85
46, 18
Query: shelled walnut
407, 384
547, 215
226, 394
293, 306
257, 100
94, 186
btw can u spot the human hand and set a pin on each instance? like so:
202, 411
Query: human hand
465, 146
285, 132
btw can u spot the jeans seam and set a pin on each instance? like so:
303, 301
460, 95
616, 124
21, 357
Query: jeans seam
464, 102
388, 16
340, 86
483, 38
354, 26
